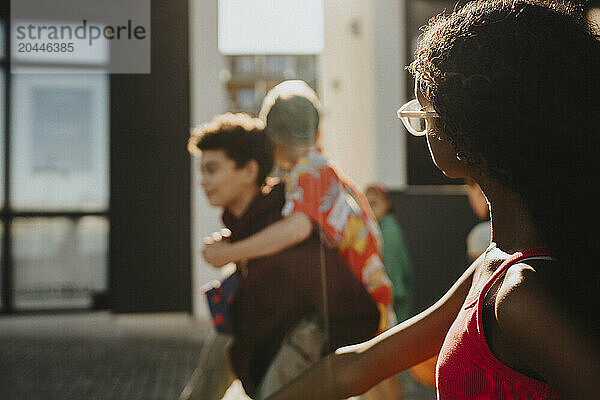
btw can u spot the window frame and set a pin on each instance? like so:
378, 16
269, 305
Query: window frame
7, 213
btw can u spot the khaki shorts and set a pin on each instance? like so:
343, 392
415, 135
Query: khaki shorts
302, 347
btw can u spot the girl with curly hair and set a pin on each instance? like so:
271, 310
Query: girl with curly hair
508, 95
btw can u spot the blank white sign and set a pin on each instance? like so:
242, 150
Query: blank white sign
270, 27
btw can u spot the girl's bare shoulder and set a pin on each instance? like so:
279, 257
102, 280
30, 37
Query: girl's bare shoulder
542, 330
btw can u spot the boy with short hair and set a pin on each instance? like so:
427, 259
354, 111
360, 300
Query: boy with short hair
278, 309
317, 195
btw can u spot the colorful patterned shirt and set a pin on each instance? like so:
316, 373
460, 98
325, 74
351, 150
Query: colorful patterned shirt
316, 188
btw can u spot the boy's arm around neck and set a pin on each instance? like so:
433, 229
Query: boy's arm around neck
276, 237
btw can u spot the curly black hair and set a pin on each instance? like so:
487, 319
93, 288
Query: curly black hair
240, 136
517, 87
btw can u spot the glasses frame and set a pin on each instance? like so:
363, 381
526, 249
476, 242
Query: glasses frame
403, 114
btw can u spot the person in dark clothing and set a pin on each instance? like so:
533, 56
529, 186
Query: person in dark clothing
296, 305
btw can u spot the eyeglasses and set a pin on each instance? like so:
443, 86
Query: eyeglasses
414, 118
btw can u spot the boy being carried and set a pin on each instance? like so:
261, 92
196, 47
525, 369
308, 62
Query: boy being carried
317, 194
278, 310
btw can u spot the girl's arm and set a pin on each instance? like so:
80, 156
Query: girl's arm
352, 370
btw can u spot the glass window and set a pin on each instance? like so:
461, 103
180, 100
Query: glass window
59, 262
2, 38
245, 98
250, 77
2, 158
244, 65
59, 156
2, 133
1, 265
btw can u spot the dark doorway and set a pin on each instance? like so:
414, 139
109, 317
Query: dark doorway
150, 267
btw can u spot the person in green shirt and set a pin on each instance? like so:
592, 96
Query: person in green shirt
394, 250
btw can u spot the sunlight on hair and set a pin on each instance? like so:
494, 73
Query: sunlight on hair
594, 17
226, 120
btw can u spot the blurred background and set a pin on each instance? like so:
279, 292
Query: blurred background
102, 216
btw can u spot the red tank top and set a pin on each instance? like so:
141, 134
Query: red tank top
467, 369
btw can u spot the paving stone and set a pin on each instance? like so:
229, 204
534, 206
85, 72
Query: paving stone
103, 357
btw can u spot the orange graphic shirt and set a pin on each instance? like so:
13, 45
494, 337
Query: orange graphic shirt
316, 188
